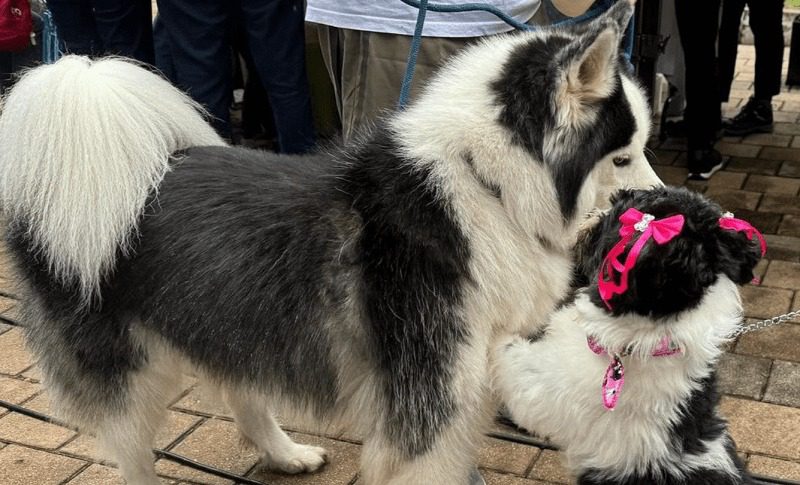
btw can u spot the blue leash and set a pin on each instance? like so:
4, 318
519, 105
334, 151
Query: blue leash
423, 6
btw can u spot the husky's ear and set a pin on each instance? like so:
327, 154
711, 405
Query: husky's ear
620, 13
738, 255
589, 65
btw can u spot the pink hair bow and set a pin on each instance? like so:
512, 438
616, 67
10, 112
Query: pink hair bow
727, 221
633, 221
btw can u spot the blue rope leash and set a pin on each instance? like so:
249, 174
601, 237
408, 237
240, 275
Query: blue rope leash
423, 6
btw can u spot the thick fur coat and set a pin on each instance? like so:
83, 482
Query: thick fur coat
362, 284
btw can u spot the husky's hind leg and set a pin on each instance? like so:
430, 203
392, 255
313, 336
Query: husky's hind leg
127, 436
112, 388
277, 450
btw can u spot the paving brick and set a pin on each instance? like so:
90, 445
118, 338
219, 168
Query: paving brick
84, 447
763, 428
743, 375
772, 467
789, 169
33, 373
175, 425
32, 432
753, 165
215, 443
204, 399
786, 248
783, 385
98, 475
664, 157
734, 200
773, 185
786, 129
777, 153
494, 478
550, 468
785, 116
14, 357
768, 139
727, 180
761, 302
506, 456
740, 150
341, 468
671, 175
782, 274
792, 106
8, 309
16, 391
24, 466
787, 204
779, 342
790, 226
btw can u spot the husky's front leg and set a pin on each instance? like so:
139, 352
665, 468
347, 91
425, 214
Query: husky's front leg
438, 451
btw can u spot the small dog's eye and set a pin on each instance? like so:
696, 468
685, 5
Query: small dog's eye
622, 160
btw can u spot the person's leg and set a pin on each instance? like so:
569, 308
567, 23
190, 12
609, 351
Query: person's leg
756, 115
198, 33
75, 24
163, 51
373, 69
698, 25
766, 17
729, 44
276, 38
125, 28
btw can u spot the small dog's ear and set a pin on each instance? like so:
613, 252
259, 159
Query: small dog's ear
738, 255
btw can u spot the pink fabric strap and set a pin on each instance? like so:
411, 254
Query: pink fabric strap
633, 221
727, 221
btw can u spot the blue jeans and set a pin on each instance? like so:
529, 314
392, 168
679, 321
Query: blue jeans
102, 27
200, 41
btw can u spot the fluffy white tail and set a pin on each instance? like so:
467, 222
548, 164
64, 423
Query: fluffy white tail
82, 145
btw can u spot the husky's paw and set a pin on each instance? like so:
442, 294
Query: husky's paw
298, 459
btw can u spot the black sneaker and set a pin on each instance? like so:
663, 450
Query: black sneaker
754, 117
705, 163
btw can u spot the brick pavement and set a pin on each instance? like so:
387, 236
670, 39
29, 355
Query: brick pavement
760, 375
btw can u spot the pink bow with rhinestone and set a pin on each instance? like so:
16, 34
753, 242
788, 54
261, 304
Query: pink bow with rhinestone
633, 221
727, 221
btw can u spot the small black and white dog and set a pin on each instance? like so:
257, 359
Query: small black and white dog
642, 340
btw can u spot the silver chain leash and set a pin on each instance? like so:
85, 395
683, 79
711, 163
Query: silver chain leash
770, 322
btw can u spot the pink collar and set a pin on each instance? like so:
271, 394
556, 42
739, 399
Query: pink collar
614, 377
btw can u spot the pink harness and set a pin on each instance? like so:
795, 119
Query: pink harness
661, 231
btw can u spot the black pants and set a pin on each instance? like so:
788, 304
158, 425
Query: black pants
766, 23
200, 41
100, 27
698, 24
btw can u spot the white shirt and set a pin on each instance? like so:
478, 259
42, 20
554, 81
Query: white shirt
395, 17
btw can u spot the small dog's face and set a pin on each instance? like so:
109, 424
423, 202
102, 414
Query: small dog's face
672, 277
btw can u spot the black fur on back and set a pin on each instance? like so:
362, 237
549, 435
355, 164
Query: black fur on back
528, 113
673, 277
263, 269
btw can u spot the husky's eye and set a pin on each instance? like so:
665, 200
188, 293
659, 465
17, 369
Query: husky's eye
622, 160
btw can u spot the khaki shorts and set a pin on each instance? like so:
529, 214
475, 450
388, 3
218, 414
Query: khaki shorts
367, 69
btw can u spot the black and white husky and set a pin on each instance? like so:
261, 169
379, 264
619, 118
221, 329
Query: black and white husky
364, 284
647, 351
